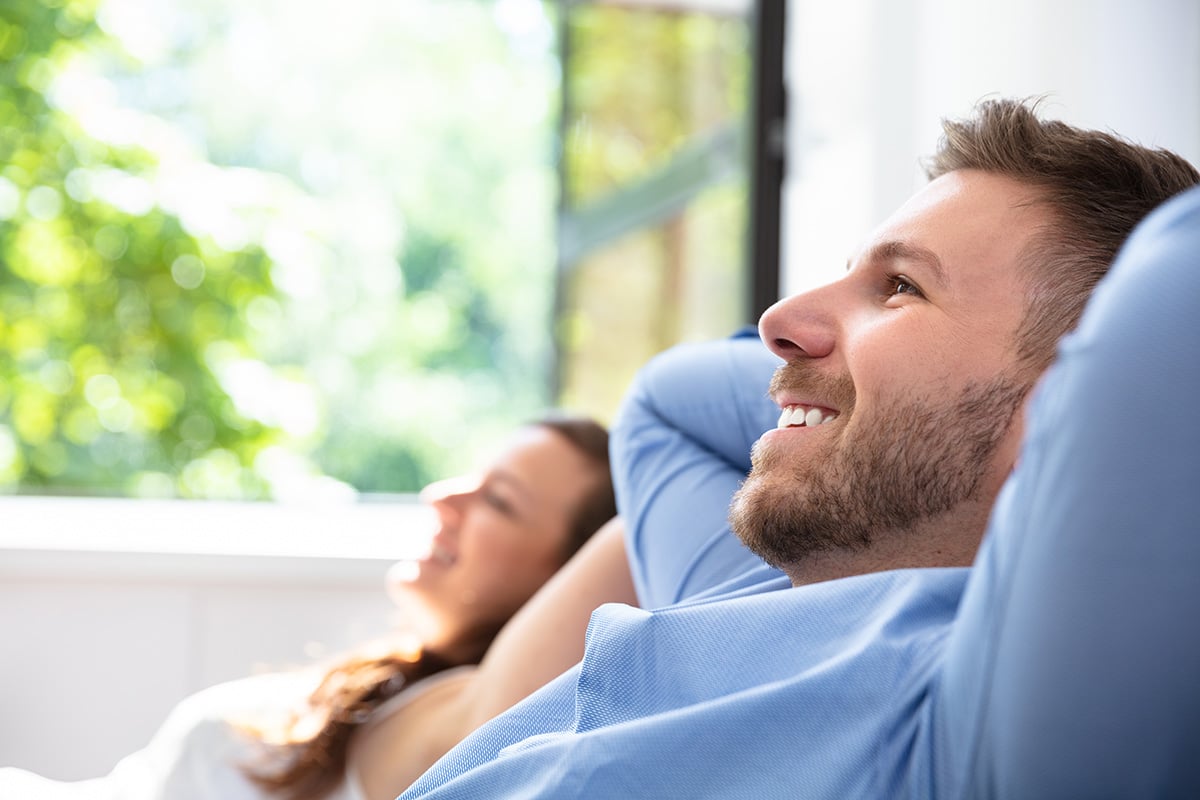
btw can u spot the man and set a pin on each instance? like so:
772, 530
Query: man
899, 404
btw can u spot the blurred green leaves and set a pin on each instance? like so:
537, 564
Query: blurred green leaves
228, 270
644, 83
107, 304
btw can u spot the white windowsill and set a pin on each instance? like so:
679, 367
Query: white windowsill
220, 541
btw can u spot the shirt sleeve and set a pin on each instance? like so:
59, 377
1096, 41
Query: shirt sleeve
680, 448
1071, 670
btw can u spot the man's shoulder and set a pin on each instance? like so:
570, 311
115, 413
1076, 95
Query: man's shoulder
835, 671
787, 630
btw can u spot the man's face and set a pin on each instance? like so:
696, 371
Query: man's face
905, 374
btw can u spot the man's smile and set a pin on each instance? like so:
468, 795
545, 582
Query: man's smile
795, 416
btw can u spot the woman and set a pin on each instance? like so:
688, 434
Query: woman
379, 717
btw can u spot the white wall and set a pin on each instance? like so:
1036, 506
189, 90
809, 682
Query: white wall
112, 611
869, 80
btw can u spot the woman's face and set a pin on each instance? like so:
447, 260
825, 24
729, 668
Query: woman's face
498, 535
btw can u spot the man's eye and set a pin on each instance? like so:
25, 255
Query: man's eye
899, 284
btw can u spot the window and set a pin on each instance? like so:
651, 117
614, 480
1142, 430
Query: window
270, 248
659, 143
265, 248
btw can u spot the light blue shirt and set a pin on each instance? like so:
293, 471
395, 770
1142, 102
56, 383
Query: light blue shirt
1067, 668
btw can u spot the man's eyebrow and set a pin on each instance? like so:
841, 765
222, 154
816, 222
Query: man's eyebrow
896, 250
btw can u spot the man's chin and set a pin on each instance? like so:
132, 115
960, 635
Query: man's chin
757, 514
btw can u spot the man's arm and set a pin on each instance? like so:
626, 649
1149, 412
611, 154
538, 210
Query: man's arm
679, 451
1071, 670
680, 448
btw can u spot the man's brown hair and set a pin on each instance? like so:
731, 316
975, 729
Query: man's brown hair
1098, 186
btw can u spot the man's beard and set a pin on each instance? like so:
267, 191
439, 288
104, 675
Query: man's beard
916, 460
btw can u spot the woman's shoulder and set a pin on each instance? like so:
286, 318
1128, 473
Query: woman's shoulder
406, 735
446, 682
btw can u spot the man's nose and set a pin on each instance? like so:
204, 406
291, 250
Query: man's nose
803, 325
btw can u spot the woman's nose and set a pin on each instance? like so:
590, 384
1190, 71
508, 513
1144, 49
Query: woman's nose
445, 492
800, 326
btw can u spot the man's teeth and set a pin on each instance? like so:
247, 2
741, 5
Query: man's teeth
804, 416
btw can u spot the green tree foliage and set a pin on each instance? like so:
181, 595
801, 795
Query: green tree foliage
316, 257
646, 87
422, 132
643, 83
109, 307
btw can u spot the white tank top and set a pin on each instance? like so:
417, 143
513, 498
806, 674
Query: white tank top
196, 753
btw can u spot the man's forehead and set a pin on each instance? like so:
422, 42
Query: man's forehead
962, 213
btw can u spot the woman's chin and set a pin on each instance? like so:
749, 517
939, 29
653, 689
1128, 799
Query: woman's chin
412, 576
404, 572
416, 616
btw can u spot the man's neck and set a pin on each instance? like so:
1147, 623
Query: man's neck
950, 540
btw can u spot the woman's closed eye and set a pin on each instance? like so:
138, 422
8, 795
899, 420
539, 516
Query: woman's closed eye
498, 501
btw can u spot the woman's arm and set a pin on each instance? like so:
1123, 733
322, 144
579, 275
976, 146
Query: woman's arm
545, 638
541, 641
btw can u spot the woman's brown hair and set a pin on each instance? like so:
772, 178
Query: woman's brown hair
305, 756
